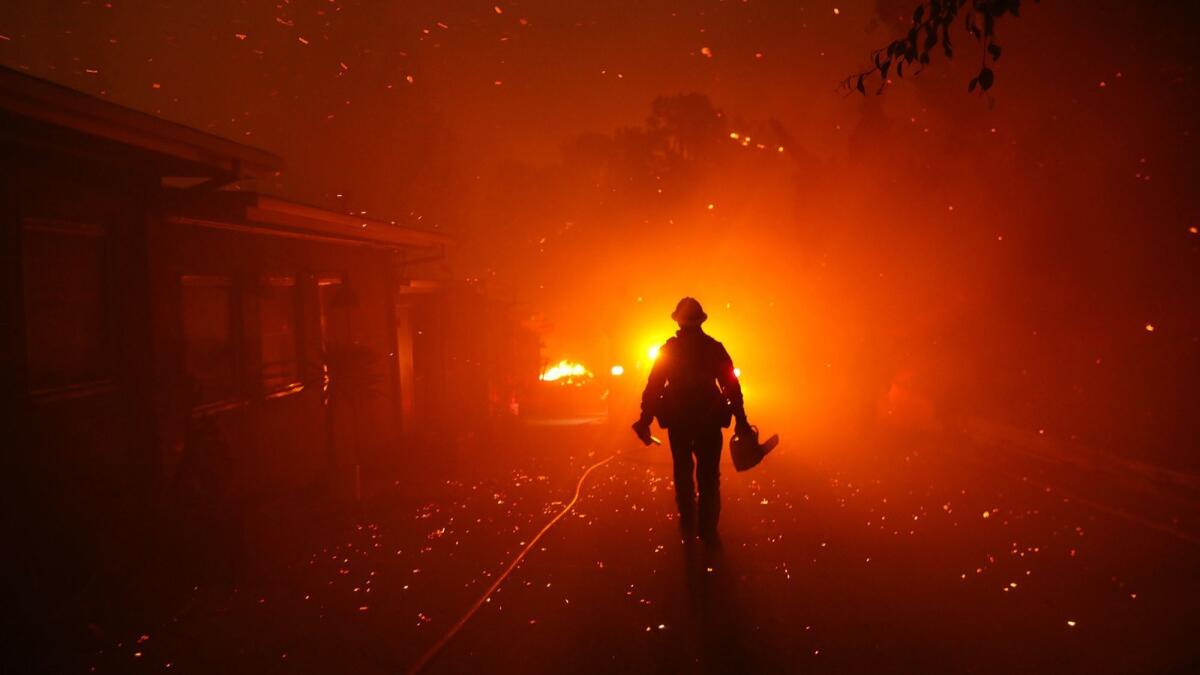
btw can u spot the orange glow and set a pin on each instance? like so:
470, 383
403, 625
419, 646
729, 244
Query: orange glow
618, 370
652, 353
565, 370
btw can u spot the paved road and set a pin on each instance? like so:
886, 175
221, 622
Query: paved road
893, 553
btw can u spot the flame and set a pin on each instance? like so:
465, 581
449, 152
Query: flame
565, 369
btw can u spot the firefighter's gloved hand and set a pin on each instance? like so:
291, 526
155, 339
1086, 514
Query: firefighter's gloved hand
642, 429
743, 427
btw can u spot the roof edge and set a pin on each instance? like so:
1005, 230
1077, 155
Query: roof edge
45, 101
276, 211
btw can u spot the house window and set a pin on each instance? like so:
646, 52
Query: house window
67, 278
279, 310
210, 357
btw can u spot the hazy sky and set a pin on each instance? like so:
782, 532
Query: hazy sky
349, 91
379, 100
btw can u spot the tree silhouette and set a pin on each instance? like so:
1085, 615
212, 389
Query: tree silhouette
931, 26
688, 124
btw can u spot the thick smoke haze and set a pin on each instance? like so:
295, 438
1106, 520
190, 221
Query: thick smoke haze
1008, 251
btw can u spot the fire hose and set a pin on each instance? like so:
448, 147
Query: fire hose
437, 647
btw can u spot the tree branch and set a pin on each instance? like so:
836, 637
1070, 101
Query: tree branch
930, 28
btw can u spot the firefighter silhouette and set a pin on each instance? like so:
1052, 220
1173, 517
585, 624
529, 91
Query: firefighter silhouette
694, 393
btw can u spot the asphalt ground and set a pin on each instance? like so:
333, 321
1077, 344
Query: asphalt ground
888, 552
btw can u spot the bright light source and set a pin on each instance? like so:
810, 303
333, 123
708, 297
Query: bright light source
564, 369
737, 372
652, 352
618, 370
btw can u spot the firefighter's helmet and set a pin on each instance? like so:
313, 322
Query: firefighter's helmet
689, 312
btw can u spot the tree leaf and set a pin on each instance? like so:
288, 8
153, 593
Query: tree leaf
994, 50
971, 85
986, 78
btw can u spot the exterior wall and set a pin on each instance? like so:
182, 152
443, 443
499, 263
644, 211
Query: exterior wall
79, 472
275, 439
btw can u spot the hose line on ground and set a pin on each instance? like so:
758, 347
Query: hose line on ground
437, 647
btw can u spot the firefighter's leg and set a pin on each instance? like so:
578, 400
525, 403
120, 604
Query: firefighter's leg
685, 488
708, 479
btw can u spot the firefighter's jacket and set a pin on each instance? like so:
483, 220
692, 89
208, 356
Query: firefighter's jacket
692, 383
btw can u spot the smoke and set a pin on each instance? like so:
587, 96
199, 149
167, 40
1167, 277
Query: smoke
958, 257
